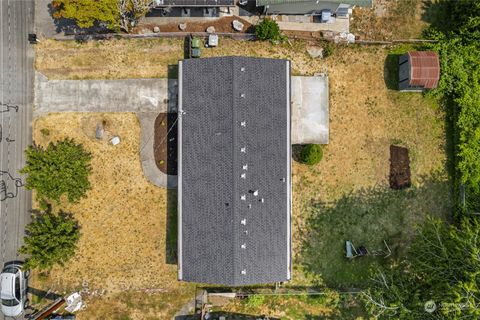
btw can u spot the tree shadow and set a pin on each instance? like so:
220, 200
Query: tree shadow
297, 151
171, 249
44, 294
367, 217
438, 13
390, 71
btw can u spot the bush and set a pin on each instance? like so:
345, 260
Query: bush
255, 301
51, 239
311, 154
61, 168
268, 30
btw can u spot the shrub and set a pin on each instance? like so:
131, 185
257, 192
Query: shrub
311, 154
51, 239
61, 168
255, 301
268, 30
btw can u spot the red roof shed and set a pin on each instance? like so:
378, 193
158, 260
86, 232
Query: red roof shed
424, 69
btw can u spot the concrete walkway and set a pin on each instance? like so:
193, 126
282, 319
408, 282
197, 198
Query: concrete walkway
146, 97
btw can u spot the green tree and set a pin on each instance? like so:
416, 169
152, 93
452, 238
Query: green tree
311, 154
458, 35
88, 12
60, 169
442, 266
268, 29
51, 239
131, 11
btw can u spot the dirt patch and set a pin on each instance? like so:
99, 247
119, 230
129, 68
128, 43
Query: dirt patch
399, 168
165, 143
220, 25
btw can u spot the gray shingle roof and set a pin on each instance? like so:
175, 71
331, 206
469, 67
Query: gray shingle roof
235, 121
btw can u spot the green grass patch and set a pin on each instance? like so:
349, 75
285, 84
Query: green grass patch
366, 217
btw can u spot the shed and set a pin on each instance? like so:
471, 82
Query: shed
234, 169
418, 70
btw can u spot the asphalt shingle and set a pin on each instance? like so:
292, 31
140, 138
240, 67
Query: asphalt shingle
234, 170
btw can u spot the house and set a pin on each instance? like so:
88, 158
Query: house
234, 169
418, 70
193, 8
342, 8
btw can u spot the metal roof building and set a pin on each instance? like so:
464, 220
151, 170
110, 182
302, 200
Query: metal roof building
234, 168
418, 70
309, 6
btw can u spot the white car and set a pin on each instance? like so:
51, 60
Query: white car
13, 290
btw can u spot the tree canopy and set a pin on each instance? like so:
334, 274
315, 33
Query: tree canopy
60, 169
87, 12
51, 239
459, 86
442, 267
115, 14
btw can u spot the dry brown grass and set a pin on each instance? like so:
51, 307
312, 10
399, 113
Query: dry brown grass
123, 219
365, 118
113, 59
390, 20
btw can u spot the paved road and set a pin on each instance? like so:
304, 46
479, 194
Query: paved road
16, 97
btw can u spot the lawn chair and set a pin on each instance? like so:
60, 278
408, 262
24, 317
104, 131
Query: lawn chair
386, 253
351, 251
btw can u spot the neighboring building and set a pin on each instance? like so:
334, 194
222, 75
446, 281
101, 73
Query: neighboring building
193, 8
234, 169
341, 8
418, 70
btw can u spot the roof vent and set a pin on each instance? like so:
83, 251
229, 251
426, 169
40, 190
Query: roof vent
244, 150
242, 69
243, 176
255, 193
283, 179
244, 272
262, 200
242, 95
243, 197
249, 206
243, 123
243, 246
244, 222
246, 232
245, 167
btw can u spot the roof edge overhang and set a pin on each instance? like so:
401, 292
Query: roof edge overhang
179, 170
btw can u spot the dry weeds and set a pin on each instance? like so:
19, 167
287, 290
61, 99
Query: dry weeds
123, 218
365, 118
390, 20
